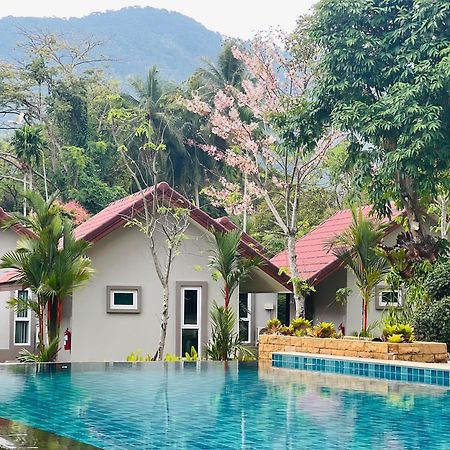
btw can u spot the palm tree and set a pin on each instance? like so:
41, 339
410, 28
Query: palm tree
227, 263
50, 262
29, 143
155, 102
356, 247
228, 71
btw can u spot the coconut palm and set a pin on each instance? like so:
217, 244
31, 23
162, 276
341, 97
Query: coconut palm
227, 263
228, 71
356, 247
50, 262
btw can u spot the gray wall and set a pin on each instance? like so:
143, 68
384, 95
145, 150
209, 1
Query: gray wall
123, 258
8, 351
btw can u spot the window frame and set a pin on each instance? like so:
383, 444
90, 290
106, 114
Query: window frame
190, 326
123, 309
26, 319
248, 318
380, 305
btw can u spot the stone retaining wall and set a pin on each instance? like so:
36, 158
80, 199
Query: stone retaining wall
433, 352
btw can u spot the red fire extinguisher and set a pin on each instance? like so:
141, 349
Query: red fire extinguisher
67, 339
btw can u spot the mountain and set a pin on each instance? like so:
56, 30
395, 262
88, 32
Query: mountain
135, 38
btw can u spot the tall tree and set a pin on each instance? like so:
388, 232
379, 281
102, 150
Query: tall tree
384, 78
273, 166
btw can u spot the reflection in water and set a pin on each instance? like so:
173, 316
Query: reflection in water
212, 405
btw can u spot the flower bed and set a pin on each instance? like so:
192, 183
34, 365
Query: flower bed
431, 352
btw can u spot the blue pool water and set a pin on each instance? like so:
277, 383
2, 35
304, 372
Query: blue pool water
212, 405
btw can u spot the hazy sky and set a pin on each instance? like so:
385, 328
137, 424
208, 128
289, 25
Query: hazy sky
238, 18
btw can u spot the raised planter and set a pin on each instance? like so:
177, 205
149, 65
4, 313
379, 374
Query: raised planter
432, 352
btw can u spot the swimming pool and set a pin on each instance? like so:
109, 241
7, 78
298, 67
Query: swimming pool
213, 405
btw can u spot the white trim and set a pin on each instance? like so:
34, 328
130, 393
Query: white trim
26, 319
380, 304
190, 326
113, 306
248, 318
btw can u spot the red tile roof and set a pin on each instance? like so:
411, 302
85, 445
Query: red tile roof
11, 276
19, 229
119, 212
314, 261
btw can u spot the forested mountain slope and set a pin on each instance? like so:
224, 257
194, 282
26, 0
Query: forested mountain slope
135, 39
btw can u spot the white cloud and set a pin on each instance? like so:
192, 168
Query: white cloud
239, 18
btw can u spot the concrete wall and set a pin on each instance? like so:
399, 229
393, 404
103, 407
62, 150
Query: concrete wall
8, 351
123, 258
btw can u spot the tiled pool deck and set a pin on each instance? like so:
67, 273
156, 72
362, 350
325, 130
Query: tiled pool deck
433, 374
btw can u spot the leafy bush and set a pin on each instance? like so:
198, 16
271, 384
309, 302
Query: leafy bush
273, 326
404, 330
432, 321
324, 330
48, 353
300, 326
437, 282
137, 357
225, 343
395, 339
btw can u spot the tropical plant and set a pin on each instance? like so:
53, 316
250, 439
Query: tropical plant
138, 357
228, 264
46, 354
225, 342
49, 261
324, 330
28, 143
356, 247
404, 330
301, 326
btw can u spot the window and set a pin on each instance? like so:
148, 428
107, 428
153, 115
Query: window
386, 297
190, 319
22, 319
244, 317
123, 299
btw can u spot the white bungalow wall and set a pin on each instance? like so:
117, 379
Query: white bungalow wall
123, 258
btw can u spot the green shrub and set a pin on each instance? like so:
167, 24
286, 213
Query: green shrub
300, 326
404, 330
324, 330
437, 282
432, 321
137, 357
395, 339
273, 326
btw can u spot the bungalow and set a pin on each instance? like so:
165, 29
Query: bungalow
327, 274
17, 331
119, 309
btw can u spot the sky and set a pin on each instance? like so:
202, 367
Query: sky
236, 18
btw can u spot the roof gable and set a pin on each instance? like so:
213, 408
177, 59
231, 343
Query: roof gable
121, 211
314, 260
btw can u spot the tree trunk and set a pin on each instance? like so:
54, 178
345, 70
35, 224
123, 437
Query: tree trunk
196, 195
364, 315
227, 296
41, 327
164, 321
299, 299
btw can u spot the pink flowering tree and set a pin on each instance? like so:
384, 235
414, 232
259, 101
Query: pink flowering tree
272, 169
